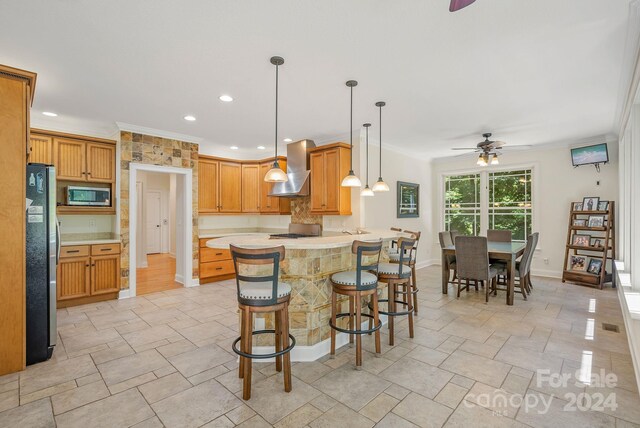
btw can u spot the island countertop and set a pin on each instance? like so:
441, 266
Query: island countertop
329, 240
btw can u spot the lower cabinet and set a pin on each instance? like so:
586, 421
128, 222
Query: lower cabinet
88, 273
215, 264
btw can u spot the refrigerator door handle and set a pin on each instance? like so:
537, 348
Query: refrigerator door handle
58, 241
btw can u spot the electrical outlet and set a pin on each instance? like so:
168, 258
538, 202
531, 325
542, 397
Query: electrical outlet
92, 223
546, 260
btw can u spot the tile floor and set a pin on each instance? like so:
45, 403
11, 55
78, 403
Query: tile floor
164, 359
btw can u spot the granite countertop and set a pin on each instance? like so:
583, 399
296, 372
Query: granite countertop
334, 240
67, 239
218, 233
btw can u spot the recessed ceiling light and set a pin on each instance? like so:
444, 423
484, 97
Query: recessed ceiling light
49, 113
287, 140
234, 147
261, 147
190, 118
226, 98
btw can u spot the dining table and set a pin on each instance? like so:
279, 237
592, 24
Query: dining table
508, 252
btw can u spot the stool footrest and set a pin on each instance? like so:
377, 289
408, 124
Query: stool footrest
344, 330
259, 356
394, 314
415, 291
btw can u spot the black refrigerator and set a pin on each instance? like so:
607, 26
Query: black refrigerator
42, 251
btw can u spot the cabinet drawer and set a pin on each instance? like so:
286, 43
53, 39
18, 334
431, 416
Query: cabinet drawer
209, 269
214, 255
74, 251
105, 249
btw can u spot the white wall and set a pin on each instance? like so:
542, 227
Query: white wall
556, 184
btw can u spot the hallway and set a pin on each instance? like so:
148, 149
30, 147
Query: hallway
159, 276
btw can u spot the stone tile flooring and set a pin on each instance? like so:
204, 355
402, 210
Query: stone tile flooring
165, 359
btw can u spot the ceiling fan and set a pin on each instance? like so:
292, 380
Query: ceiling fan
487, 149
459, 4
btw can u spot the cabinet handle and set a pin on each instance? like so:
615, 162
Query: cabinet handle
73, 251
89, 173
86, 265
106, 249
84, 173
218, 268
93, 264
218, 254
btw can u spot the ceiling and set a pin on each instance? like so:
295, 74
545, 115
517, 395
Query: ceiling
530, 71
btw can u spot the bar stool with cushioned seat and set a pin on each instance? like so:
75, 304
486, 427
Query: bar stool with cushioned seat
395, 275
258, 292
357, 284
395, 258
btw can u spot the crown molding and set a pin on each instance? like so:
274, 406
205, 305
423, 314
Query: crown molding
122, 126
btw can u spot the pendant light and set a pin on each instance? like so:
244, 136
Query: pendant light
276, 174
351, 180
380, 185
366, 191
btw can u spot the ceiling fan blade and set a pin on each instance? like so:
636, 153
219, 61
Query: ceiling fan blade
459, 4
522, 147
464, 148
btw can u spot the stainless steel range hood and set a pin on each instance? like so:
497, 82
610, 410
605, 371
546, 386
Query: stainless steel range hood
297, 171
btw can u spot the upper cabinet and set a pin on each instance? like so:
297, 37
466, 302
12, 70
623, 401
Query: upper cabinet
40, 149
329, 165
230, 186
101, 163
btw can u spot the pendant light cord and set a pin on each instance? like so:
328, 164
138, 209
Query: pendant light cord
351, 131
275, 161
380, 136
367, 174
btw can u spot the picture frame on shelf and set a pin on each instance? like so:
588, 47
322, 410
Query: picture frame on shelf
408, 202
597, 243
580, 222
595, 266
596, 221
590, 203
581, 240
603, 206
577, 206
578, 263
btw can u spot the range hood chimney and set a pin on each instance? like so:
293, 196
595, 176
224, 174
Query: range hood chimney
297, 171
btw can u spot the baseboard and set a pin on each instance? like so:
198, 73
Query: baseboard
311, 353
179, 278
124, 294
143, 264
427, 263
546, 273
195, 282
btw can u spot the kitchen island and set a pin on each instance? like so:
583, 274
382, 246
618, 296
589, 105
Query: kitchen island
307, 267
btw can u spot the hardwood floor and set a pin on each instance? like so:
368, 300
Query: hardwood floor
159, 276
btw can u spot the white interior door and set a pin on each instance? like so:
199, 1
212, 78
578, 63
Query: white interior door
153, 221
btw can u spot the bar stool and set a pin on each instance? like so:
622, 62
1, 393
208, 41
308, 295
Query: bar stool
395, 258
357, 284
395, 275
260, 293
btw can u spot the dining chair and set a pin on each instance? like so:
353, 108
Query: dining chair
446, 241
495, 235
472, 263
523, 268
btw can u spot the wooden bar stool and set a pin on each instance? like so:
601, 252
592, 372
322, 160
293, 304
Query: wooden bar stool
396, 275
395, 258
357, 284
259, 292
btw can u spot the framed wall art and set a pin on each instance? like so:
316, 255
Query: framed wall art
408, 202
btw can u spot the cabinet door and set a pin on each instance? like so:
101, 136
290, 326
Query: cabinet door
230, 187
332, 180
105, 274
251, 188
317, 181
208, 186
268, 204
73, 278
101, 163
70, 159
41, 149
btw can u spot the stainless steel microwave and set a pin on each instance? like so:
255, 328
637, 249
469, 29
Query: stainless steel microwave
88, 196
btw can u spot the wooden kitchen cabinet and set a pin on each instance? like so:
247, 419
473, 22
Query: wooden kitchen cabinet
214, 264
70, 159
208, 186
88, 273
230, 187
250, 188
272, 204
40, 149
329, 165
219, 186
101, 163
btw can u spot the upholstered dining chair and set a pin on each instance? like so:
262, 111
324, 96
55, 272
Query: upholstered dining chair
446, 241
495, 235
523, 267
472, 263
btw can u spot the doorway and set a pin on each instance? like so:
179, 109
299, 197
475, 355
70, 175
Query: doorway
160, 240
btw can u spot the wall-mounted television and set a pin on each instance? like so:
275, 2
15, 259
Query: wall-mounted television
590, 155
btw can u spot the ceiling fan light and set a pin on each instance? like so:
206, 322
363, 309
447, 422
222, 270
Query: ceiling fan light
494, 160
481, 161
351, 180
380, 186
276, 174
366, 191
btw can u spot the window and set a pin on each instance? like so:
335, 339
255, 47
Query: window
510, 202
505, 203
462, 203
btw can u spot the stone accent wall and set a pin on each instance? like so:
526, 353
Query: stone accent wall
301, 211
147, 149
